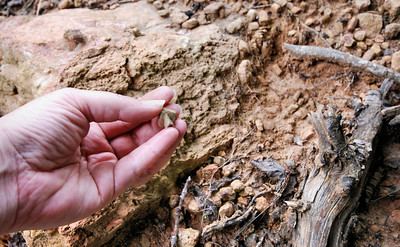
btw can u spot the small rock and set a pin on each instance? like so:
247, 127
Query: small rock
362, 46
244, 71
206, 172
348, 40
237, 7
396, 61
375, 228
371, 23
114, 6
213, 8
251, 15
193, 207
248, 191
396, 216
392, 30
190, 24
385, 45
226, 210
379, 38
158, 4
188, 237
394, 8
163, 13
309, 21
281, 3
226, 193
261, 203
303, 6
292, 108
325, 18
263, 18
259, 125
275, 8
235, 26
292, 33
219, 160
243, 47
362, 4
337, 28
359, 35
217, 200
277, 70
243, 201
295, 10
351, 26
253, 26
173, 201
228, 169
237, 185
376, 49
369, 55
179, 17
65, 4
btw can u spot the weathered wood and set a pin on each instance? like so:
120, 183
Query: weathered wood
338, 176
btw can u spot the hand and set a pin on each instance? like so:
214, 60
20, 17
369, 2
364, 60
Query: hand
69, 153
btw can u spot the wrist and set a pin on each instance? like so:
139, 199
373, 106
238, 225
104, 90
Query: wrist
8, 182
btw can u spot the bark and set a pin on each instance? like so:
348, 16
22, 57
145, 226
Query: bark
335, 183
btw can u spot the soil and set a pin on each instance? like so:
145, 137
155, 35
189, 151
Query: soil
276, 93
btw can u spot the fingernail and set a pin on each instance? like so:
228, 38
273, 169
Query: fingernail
153, 102
173, 90
180, 108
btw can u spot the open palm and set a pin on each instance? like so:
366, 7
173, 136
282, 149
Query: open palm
69, 153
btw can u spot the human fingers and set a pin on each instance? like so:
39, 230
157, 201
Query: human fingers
117, 128
124, 144
139, 163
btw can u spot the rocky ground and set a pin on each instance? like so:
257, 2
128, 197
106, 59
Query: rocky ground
245, 97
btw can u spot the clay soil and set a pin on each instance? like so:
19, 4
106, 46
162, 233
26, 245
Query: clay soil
272, 125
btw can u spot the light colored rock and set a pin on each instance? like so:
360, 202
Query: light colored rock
261, 203
188, 237
244, 71
337, 28
281, 3
277, 70
292, 33
376, 48
379, 38
309, 21
235, 26
348, 40
251, 15
65, 4
237, 7
193, 207
362, 46
228, 169
191, 62
351, 26
396, 61
392, 30
371, 23
263, 17
178, 17
362, 4
243, 47
276, 8
394, 8
359, 35
190, 24
253, 26
226, 193
295, 10
369, 55
396, 216
237, 185
163, 13
219, 160
226, 210
158, 4
213, 8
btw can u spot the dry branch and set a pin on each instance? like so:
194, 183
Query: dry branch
174, 236
336, 56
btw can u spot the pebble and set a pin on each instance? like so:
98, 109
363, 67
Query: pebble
379, 38
369, 55
396, 61
303, 6
362, 4
235, 26
275, 8
348, 40
263, 17
371, 23
244, 71
261, 203
259, 125
228, 169
394, 8
237, 185
243, 201
337, 28
190, 24
253, 26
385, 45
251, 15
173, 201
375, 228
376, 48
243, 47
277, 70
226, 210
213, 8
281, 3
163, 13
248, 191
309, 22
219, 160
179, 17
226, 193
359, 35
65, 4
292, 33
392, 30
295, 10
188, 237
351, 26
193, 207
396, 216
237, 7
158, 4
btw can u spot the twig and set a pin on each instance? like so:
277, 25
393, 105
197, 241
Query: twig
222, 182
260, 6
336, 56
317, 33
261, 240
391, 111
233, 220
391, 193
174, 237
322, 83
38, 7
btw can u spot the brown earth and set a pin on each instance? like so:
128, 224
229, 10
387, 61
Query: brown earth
243, 96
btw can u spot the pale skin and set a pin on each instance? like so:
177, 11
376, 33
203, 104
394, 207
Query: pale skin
68, 154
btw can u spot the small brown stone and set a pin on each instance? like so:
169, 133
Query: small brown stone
276, 8
359, 35
263, 17
369, 55
348, 40
375, 228
295, 10
396, 216
352, 24
166, 118
277, 70
226, 210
